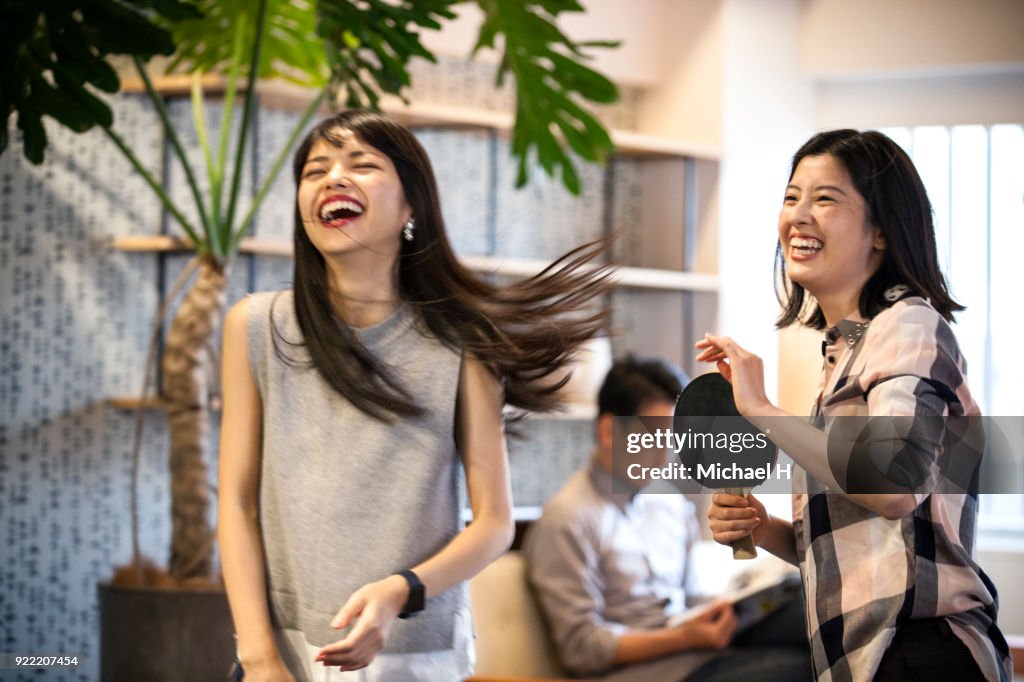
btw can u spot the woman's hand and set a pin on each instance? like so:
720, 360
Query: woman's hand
711, 630
743, 369
732, 517
375, 607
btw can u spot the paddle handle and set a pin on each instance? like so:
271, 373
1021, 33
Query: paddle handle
744, 548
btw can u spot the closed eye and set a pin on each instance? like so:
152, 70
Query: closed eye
312, 172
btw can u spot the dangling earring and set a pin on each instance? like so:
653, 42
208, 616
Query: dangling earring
410, 225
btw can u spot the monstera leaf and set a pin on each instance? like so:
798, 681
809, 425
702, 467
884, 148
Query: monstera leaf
51, 50
225, 33
550, 79
373, 42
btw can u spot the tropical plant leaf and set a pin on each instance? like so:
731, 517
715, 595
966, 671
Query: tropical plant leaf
53, 51
550, 81
371, 44
30, 122
292, 49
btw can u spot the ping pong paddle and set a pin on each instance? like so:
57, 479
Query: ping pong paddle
705, 406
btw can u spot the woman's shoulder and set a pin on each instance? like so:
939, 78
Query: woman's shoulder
268, 298
253, 314
912, 317
911, 337
260, 305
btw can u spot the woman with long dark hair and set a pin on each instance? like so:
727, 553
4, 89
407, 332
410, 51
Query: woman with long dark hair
884, 544
350, 402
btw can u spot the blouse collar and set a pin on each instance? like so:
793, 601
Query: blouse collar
852, 330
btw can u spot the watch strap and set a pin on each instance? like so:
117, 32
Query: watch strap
417, 594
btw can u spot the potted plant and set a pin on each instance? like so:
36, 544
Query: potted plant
56, 56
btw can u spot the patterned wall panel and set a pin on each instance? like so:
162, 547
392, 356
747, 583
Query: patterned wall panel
463, 164
546, 454
543, 219
74, 317
276, 215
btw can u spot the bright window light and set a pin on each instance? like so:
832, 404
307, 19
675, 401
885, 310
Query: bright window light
975, 180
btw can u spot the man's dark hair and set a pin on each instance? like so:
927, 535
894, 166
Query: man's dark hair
633, 381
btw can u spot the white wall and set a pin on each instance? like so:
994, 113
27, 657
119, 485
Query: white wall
687, 99
868, 38
767, 112
635, 62
984, 98
915, 62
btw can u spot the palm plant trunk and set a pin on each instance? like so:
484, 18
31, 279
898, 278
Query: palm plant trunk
186, 394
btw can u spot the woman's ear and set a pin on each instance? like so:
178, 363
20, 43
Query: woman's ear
605, 425
879, 240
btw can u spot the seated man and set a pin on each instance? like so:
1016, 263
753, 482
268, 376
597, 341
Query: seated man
611, 569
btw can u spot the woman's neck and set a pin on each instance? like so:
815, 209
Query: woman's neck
839, 306
364, 291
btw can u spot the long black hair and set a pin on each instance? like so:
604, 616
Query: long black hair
523, 333
897, 203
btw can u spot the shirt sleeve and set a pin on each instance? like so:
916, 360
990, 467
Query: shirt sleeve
912, 385
693, 534
564, 571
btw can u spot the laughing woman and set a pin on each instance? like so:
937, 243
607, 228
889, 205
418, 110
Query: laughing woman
350, 401
893, 591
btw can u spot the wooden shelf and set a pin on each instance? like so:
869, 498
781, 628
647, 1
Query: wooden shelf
167, 243
643, 278
626, 142
285, 96
152, 402
133, 402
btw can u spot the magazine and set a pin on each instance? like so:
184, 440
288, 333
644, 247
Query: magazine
752, 602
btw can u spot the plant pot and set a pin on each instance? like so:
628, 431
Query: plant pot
163, 634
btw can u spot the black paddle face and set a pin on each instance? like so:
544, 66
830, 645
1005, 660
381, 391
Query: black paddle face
709, 395
716, 446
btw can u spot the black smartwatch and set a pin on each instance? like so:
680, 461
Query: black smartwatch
417, 594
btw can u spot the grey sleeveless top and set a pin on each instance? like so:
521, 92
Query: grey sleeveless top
346, 499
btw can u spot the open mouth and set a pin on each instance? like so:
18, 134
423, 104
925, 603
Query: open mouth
805, 246
339, 211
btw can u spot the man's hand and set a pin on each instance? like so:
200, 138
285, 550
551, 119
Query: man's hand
711, 630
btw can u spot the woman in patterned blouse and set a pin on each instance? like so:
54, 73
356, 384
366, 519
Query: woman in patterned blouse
893, 591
